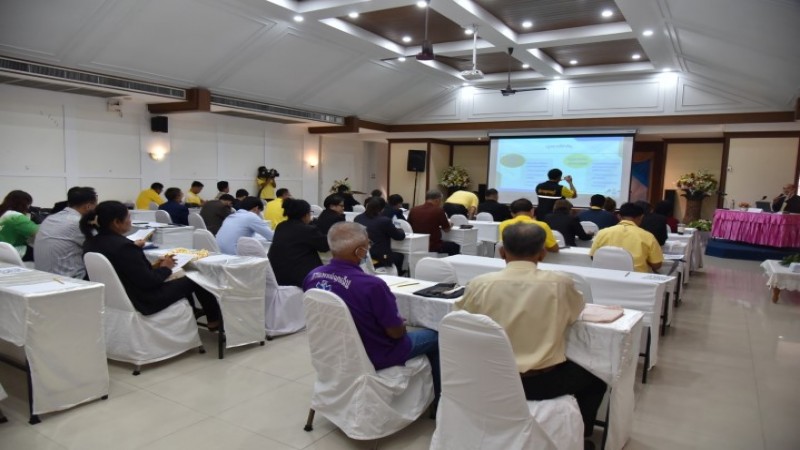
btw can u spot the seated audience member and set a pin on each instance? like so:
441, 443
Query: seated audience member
333, 212
562, 220
59, 243
667, 209
193, 196
787, 200
222, 189
146, 284
654, 223
178, 211
499, 211
241, 194
16, 227
296, 245
536, 308
59, 206
429, 218
610, 205
147, 196
394, 208
349, 200
596, 213
274, 209
214, 212
522, 210
461, 202
372, 305
381, 231
375, 193
245, 222
641, 244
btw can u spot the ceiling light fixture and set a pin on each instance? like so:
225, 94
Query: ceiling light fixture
573, 61
666, 69
526, 66
636, 56
298, 18
647, 33
607, 13
557, 77
465, 84
353, 15
406, 39
402, 59
422, 3
468, 31
527, 24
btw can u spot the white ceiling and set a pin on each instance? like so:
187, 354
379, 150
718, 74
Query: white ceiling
253, 49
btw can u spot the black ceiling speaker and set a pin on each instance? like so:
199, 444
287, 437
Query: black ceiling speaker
159, 124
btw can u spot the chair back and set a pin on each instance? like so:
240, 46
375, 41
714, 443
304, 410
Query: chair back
616, 258
204, 240
589, 227
497, 248
405, 226
163, 217
196, 220
484, 217
10, 255
582, 286
359, 208
458, 220
669, 230
248, 246
559, 238
435, 269
153, 206
100, 270
316, 210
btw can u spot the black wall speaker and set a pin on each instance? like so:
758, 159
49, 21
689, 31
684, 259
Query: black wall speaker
416, 161
671, 195
159, 124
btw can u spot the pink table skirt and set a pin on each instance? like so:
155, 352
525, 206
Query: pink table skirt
774, 230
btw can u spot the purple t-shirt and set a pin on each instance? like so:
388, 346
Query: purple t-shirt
372, 305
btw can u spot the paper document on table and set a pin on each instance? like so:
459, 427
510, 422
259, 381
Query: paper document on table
214, 258
143, 235
48, 286
181, 259
600, 313
13, 270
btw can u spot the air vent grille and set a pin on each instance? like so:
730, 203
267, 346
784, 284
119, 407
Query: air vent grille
274, 109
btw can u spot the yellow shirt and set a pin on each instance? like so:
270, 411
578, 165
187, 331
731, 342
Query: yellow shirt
192, 198
550, 239
641, 244
274, 212
267, 189
147, 196
465, 198
534, 307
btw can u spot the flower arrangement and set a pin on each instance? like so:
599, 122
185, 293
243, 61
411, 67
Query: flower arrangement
455, 176
788, 260
744, 205
338, 183
700, 225
697, 185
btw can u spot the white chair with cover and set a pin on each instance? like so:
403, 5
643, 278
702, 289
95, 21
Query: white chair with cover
152, 206
484, 217
559, 238
589, 227
483, 406
435, 269
163, 217
196, 221
359, 209
405, 226
615, 258
133, 337
669, 230
10, 255
458, 220
283, 304
582, 286
497, 248
362, 402
204, 240
316, 210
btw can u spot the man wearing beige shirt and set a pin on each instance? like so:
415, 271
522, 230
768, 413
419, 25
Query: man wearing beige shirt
535, 308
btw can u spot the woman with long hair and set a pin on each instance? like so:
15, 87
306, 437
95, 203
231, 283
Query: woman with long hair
381, 231
296, 244
16, 227
146, 284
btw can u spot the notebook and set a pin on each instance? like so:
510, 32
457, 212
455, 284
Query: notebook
442, 290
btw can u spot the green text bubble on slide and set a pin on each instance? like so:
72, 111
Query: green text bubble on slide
577, 161
512, 160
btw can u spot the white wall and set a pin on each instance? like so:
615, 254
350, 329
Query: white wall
362, 163
475, 159
759, 167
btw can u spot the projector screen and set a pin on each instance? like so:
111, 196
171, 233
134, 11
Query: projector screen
598, 165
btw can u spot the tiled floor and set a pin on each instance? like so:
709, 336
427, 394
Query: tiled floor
728, 378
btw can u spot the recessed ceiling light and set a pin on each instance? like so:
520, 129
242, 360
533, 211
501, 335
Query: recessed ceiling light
557, 77
422, 3
526, 66
647, 33
527, 24
468, 31
607, 13
406, 39
636, 56
402, 59
353, 15
298, 18
573, 61
666, 69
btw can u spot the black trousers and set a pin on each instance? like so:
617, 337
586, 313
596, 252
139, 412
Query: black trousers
568, 378
455, 208
175, 290
451, 248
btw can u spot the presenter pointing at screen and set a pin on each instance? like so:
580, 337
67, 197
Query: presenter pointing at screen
550, 191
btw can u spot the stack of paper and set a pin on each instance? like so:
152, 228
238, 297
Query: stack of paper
600, 313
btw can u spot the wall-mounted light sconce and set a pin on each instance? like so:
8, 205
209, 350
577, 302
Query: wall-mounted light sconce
158, 153
312, 161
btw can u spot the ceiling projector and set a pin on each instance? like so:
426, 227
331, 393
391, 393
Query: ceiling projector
473, 74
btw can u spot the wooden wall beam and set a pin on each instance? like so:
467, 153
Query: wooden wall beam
197, 99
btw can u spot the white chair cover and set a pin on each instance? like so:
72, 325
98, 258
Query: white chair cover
589, 227
559, 238
152, 206
497, 248
359, 209
435, 269
405, 226
10, 255
582, 286
483, 405
283, 304
316, 210
204, 240
135, 338
669, 230
610, 257
484, 217
458, 220
163, 216
363, 403
196, 221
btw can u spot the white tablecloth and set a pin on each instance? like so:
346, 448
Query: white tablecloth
610, 351
467, 239
780, 277
58, 323
693, 239
487, 231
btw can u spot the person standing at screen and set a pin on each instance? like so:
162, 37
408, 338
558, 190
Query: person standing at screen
550, 191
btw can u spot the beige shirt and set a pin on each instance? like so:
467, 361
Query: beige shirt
534, 307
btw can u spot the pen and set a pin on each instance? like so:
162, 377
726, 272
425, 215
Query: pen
627, 274
58, 281
406, 284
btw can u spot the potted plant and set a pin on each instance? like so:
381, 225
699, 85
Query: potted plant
455, 178
337, 184
696, 186
703, 227
743, 206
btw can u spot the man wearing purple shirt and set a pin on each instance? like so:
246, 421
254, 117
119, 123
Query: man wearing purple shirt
372, 305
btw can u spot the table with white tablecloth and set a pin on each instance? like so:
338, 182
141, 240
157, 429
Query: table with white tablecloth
780, 278
691, 238
609, 350
54, 326
467, 239
414, 247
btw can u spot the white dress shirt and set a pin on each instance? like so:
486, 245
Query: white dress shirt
59, 245
242, 223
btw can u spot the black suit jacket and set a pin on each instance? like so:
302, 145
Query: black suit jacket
568, 225
381, 231
295, 251
792, 205
326, 220
656, 224
499, 211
